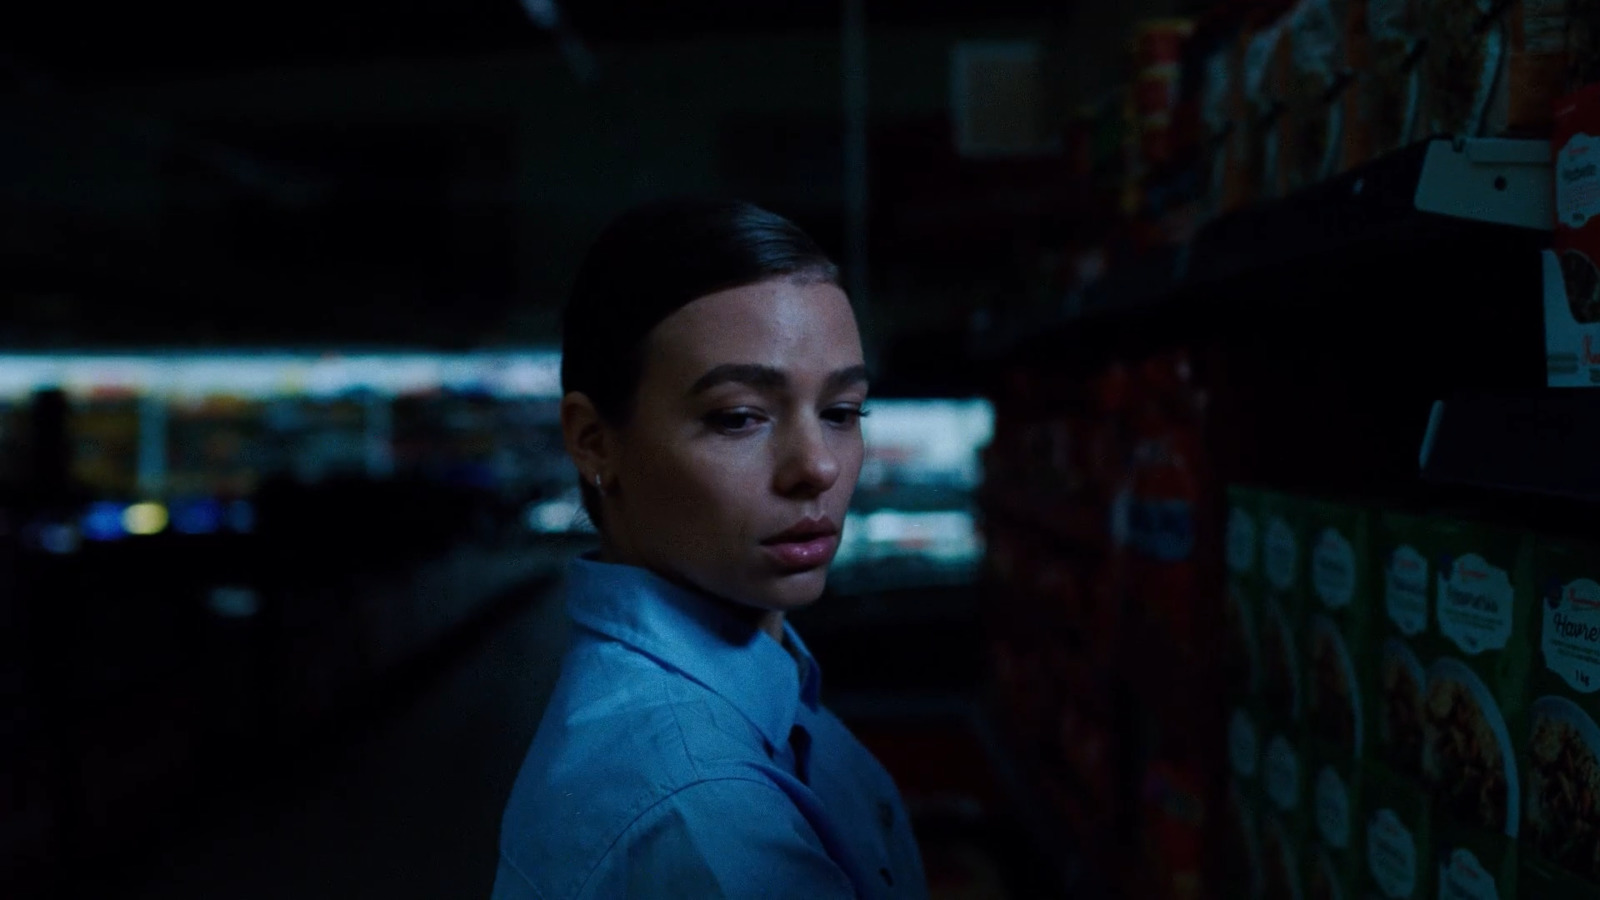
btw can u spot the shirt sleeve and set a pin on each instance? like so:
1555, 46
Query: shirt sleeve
724, 838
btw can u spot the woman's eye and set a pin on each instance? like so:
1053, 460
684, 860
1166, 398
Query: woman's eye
732, 421
845, 415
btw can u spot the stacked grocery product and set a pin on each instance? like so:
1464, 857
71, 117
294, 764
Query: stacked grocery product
1402, 700
1260, 99
1559, 833
1433, 730
1101, 632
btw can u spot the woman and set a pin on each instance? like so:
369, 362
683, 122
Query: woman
714, 383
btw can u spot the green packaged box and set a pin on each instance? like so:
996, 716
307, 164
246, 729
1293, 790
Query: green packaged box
1336, 640
1338, 634
1282, 848
1474, 864
1341, 563
1398, 845
1405, 558
1485, 616
1336, 784
1484, 630
1283, 547
1282, 668
1241, 635
1240, 870
1560, 833
1403, 563
1286, 811
1324, 880
1242, 544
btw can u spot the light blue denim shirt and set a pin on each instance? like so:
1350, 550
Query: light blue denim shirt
685, 754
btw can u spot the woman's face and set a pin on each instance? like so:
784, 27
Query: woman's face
735, 472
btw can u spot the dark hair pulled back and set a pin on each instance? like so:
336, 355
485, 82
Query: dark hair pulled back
649, 263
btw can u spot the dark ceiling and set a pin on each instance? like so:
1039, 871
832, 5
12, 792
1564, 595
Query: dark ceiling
78, 44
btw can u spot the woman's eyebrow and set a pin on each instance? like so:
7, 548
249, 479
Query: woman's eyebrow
753, 374
844, 378
767, 378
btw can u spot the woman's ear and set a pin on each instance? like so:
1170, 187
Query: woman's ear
588, 439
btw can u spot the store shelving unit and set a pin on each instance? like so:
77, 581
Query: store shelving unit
1538, 443
1430, 192
1332, 322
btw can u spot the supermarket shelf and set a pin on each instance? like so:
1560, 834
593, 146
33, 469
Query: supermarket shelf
1428, 190
1015, 778
1538, 442
1069, 523
1431, 191
1020, 779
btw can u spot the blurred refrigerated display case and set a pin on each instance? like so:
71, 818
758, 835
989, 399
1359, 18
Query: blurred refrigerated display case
214, 551
913, 519
104, 433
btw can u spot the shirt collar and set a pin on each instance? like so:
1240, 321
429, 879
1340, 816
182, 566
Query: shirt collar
699, 637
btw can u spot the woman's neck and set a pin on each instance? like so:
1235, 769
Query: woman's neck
768, 620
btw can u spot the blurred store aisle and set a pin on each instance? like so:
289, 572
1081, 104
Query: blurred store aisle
409, 808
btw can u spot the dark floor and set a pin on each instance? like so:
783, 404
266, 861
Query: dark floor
407, 808
408, 804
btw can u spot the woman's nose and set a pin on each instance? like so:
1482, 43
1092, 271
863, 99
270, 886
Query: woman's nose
809, 465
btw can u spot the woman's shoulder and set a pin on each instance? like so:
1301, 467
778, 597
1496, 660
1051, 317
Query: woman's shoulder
620, 736
621, 717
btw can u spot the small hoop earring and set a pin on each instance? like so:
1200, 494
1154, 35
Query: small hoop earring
598, 485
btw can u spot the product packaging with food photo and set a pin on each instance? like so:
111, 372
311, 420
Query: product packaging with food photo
1240, 869
1396, 835
1396, 820
1483, 630
1285, 772
1336, 641
1572, 264
1239, 866
1242, 666
1560, 833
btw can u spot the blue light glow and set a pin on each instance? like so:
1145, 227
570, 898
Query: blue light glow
103, 522
198, 516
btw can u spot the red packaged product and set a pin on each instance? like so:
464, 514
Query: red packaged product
1163, 516
1572, 328
1174, 819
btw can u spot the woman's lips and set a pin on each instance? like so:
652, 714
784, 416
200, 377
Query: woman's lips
803, 555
